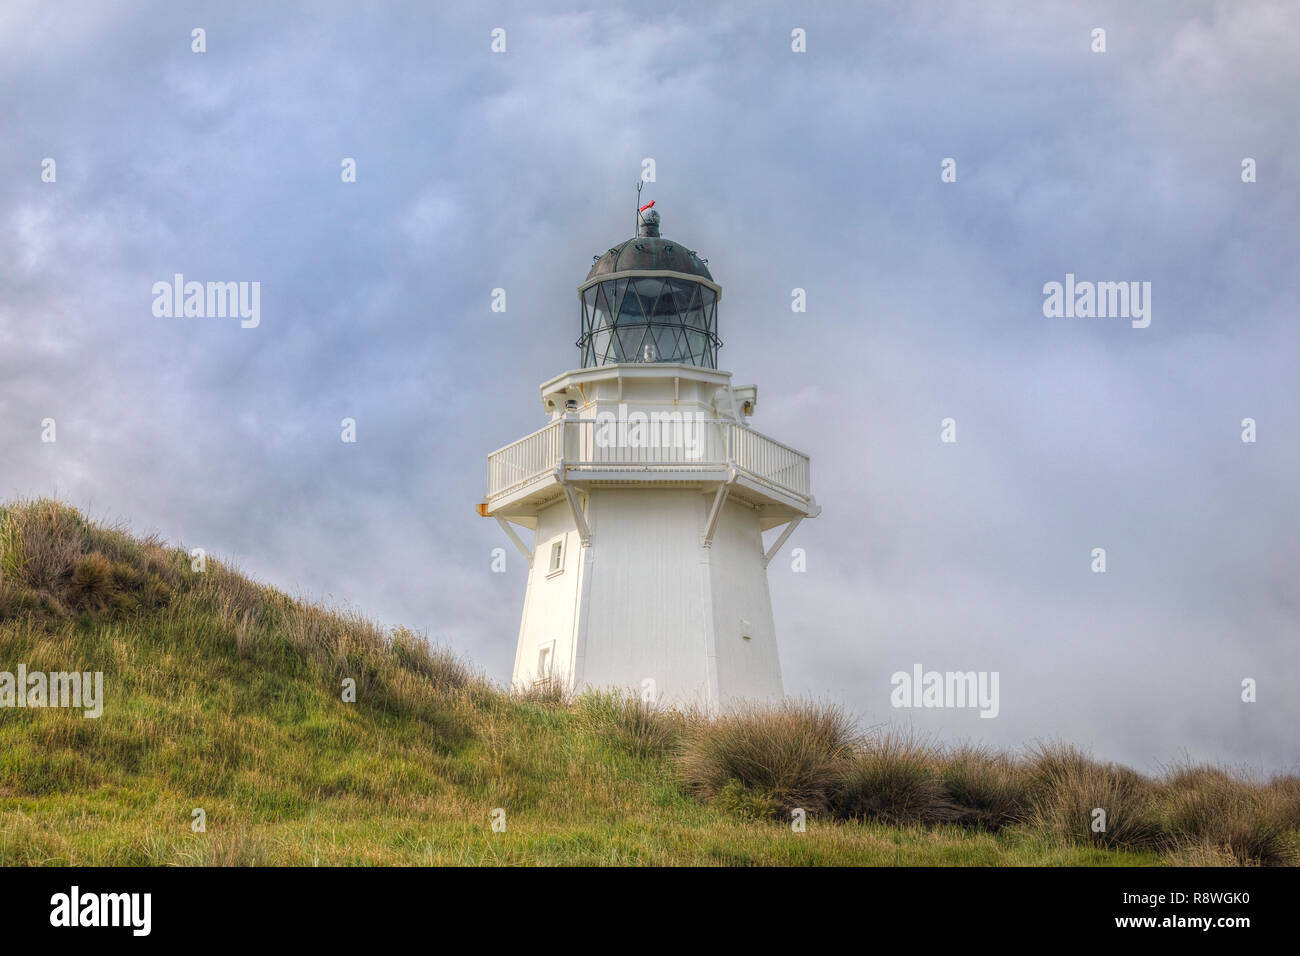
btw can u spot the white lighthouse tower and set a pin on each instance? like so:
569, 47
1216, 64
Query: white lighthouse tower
648, 495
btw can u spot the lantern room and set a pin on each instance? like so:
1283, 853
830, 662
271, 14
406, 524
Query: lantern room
648, 300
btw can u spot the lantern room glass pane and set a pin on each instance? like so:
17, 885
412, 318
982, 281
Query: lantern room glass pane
647, 292
600, 315
692, 308
629, 343
629, 305
648, 319
615, 291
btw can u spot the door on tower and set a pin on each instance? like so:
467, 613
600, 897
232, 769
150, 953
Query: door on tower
545, 664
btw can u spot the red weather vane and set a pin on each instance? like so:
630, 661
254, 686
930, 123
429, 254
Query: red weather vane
640, 184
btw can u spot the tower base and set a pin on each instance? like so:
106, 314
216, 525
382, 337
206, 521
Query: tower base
652, 605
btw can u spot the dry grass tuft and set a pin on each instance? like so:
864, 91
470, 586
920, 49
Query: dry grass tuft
625, 720
786, 756
1067, 788
54, 564
544, 693
1213, 811
894, 777
989, 789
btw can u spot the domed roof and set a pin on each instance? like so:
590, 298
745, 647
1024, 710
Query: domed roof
649, 251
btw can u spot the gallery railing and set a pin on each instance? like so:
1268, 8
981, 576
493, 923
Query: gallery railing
656, 444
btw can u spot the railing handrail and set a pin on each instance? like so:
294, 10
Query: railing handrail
531, 462
493, 454
696, 421
768, 438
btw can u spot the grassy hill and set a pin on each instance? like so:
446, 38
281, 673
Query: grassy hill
224, 695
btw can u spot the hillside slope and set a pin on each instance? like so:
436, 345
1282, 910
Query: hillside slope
225, 696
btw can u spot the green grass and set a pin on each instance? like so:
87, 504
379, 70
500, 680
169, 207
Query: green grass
225, 695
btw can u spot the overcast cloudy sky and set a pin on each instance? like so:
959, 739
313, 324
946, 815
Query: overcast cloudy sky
818, 170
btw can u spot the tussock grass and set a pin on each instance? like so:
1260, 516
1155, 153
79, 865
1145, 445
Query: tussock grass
547, 693
1213, 812
627, 721
894, 777
55, 563
787, 756
989, 789
1081, 800
764, 762
227, 695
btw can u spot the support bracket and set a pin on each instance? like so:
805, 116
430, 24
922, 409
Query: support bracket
575, 508
711, 526
505, 526
785, 536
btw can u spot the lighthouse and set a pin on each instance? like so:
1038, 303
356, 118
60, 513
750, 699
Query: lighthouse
654, 508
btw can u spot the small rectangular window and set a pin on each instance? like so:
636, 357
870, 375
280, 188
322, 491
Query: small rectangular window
544, 663
557, 557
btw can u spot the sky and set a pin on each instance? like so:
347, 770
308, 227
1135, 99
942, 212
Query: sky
819, 170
